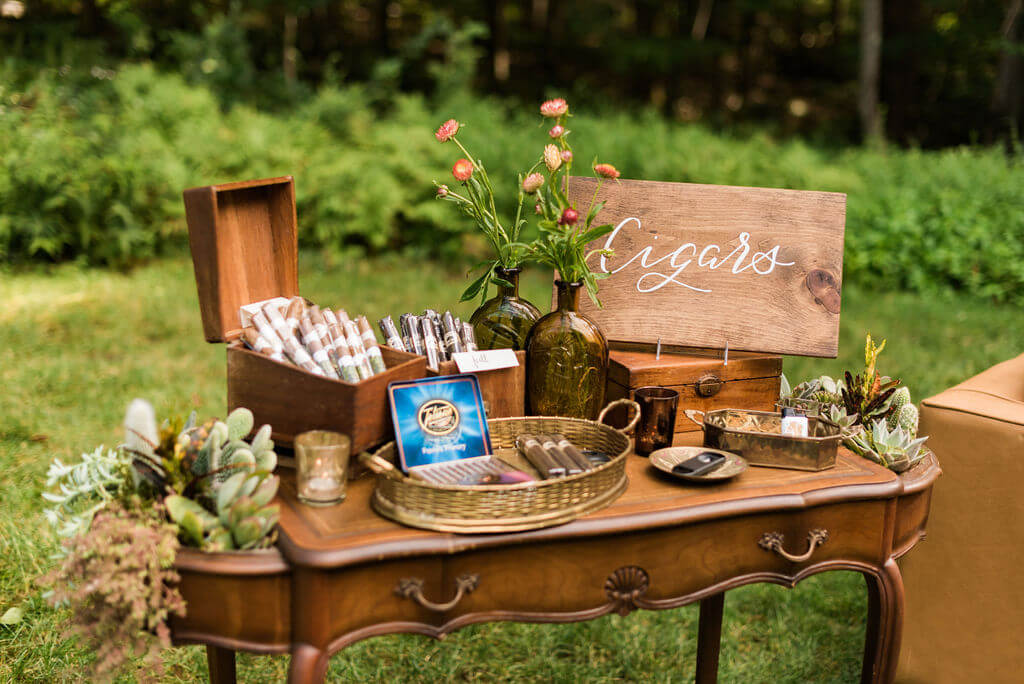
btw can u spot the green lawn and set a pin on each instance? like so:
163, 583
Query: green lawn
77, 345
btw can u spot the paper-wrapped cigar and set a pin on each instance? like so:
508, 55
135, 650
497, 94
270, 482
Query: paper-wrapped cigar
315, 346
277, 321
469, 337
452, 339
570, 450
430, 345
561, 458
413, 329
346, 364
392, 337
373, 353
355, 345
295, 310
267, 331
294, 350
535, 453
259, 344
320, 319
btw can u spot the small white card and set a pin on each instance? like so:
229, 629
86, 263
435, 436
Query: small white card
490, 359
245, 313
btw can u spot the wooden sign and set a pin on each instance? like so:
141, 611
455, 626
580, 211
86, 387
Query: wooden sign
756, 269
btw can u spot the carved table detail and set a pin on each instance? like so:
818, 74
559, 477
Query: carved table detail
625, 587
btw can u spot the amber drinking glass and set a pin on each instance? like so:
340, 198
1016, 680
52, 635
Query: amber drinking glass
321, 466
504, 321
657, 424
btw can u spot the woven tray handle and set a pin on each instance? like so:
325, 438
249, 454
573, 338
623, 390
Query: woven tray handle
622, 402
379, 465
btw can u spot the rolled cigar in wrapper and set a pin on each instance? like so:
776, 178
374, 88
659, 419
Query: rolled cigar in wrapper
346, 363
469, 337
355, 345
370, 344
300, 357
259, 344
323, 329
292, 314
561, 458
277, 321
267, 331
414, 331
430, 344
570, 450
315, 346
452, 340
534, 452
392, 337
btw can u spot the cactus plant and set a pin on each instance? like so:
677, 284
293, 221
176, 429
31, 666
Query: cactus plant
895, 449
243, 519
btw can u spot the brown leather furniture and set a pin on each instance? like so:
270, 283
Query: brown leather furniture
964, 584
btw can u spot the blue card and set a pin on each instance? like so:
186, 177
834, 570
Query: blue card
438, 419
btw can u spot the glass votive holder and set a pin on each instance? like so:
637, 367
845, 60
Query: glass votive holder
657, 424
321, 466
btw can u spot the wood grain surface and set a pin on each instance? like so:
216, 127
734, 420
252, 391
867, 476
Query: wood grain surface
504, 390
756, 269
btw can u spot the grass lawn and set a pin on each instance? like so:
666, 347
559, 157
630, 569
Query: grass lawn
77, 345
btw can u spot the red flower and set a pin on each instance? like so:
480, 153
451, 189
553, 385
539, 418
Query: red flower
554, 108
568, 217
606, 170
447, 130
462, 170
567, 155
556, 131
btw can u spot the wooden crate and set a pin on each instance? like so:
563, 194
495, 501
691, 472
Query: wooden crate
504, 390
244, 240
750, 380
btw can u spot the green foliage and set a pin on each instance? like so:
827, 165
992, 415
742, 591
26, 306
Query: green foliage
119, 582
896, 448
79, 491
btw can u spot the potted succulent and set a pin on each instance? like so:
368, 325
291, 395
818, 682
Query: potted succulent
142, 522
504, 320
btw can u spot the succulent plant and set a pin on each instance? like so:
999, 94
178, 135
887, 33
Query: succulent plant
824, 390
869, 394
895, 448
243, 519
837, 414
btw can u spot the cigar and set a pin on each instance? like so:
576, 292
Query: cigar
452, 342
259, 344
570, 450
355, 345
390, 332
538, 457
469, 337
267, 332
315, 346
435, 322
373, 353
346, 364
277, 321
296, 308
561, 458
433, 351
320, 320
412, 327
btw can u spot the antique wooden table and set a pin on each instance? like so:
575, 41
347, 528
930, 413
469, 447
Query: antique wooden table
347, 574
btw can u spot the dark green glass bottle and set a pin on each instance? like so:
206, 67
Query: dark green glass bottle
566, 360
504, 321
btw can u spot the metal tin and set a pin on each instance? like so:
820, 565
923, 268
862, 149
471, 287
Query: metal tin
757, 437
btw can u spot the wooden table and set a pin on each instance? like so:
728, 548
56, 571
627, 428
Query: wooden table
348, 574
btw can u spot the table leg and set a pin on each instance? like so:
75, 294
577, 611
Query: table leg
885, 624
221, 662
308, 666
709, 638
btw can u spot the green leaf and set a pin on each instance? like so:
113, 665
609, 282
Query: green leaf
475, 287
11, 617
594, 233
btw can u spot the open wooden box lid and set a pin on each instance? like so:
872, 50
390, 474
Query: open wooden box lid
244, 244
714, 266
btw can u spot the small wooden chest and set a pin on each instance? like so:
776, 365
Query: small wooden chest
702, 378
245, 249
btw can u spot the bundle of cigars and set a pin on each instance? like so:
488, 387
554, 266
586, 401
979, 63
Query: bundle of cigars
321, 341
436, 336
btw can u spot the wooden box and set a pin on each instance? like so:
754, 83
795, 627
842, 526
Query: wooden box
750, 380
245, 249
504, 390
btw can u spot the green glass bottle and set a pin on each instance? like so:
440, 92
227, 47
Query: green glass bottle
566, 360
503, 321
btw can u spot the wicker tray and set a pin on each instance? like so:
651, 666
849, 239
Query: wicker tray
509, 508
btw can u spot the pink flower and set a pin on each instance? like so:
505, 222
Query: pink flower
556, 131
552, 157
538, 209
606, 170
462, 170
447, 130
554, 108
569, 216
567, 155
442, 191
532, 182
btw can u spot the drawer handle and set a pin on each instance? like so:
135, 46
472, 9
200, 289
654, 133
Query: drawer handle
709, 385
772, 541
412, 588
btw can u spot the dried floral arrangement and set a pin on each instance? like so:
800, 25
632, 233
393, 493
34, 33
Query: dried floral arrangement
123, 513
566, 229
876, 414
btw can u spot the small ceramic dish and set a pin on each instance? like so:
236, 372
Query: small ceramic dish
666, 459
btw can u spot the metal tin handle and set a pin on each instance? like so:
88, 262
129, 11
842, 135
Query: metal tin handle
622, 402
772, 541
379, 465
690, 413
709, 385
412, 588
